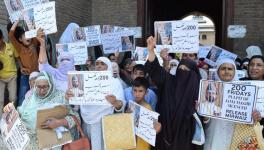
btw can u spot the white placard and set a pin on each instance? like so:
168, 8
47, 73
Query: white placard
228, 101
111, 42
178, 36
78, 50
89, 87
260, 97
144, 122
236, 31
203, 51
14, 7
140, 54
90, 34
216, 54
137, 31
14, 133
42, 16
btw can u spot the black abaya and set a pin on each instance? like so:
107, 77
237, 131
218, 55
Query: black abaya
176, 104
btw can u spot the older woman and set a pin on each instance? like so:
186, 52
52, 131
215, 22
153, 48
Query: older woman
44, 94
219, 133
92, 114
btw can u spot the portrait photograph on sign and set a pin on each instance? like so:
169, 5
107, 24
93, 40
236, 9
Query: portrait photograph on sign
226, 100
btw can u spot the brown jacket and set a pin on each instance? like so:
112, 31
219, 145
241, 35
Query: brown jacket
28, 55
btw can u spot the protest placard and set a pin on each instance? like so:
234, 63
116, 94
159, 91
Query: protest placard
90, 34
178, 36
14, 133
203, 51
78, 50
89, 87
228, 101
111, 42
127, 38
140, 54
216, 54
144, 122
41, 16
118, 132
260, 96
236, 31
128, 42
137, 31
15, 7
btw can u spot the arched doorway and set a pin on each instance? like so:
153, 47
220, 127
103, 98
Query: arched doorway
206, 27
220, 11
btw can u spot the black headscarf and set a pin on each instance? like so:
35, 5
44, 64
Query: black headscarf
176, 104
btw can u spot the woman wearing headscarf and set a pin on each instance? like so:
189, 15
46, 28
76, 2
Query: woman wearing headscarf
256, 72
92, 114
68, 34
44, 95
176, 104
219, 133
65, 59
255, 68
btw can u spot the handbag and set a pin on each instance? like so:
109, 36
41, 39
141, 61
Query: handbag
81, 144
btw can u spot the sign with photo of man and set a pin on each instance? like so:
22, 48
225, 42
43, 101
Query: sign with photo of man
229, 101
177, 36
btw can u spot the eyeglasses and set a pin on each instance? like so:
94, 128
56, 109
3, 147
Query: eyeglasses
42, 87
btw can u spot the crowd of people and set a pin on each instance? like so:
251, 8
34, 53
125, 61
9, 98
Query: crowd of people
171, 89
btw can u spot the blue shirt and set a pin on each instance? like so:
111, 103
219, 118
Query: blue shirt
150, 98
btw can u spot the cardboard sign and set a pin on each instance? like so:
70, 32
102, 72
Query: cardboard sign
177, 36
228, 101
89, 87
58, 112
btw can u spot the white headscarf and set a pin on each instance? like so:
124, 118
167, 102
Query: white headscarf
107, 62
221, 62
33, 75
67, 35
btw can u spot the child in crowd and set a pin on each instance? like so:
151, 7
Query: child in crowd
150, 97
8, 71
140, 89
27, 50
